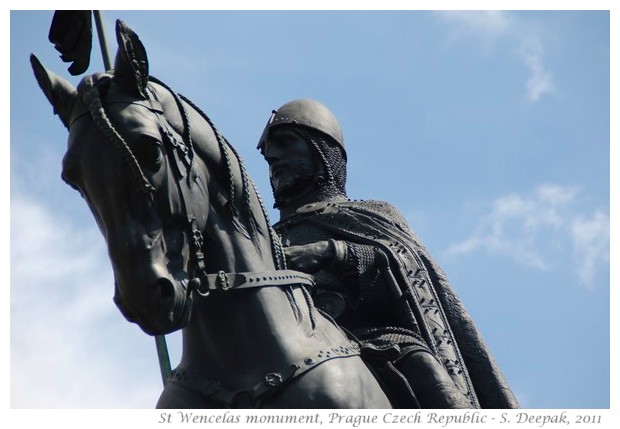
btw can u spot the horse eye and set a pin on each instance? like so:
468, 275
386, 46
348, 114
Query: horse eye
149, 154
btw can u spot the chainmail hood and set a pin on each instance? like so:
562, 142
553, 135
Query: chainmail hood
321, 131
331, 168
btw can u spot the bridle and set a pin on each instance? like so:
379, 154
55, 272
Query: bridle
181, 153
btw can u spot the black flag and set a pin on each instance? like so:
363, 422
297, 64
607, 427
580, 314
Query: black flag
71, 33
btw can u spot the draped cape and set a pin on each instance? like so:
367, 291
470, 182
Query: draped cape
425, 300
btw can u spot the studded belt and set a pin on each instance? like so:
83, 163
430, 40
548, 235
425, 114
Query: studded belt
226, 281
270, 384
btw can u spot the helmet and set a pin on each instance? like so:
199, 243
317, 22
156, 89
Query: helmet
309, 113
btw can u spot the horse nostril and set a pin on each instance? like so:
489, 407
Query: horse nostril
164, 291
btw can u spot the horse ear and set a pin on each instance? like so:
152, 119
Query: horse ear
131, 66
60, 93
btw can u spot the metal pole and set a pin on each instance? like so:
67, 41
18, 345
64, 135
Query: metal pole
160, 340
163, 357
107, 63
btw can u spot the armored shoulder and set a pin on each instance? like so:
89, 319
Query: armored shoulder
384, 210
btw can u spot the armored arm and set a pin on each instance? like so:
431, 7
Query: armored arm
358, 266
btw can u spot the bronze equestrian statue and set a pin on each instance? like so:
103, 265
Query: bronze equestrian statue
373, 276
191, 247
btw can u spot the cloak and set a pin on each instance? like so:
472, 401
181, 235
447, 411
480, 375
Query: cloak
425, 301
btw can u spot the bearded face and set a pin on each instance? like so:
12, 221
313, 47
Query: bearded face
291, 163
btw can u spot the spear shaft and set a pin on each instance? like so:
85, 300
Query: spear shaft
107, 63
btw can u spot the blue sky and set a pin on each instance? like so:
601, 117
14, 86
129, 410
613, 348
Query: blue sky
489, 130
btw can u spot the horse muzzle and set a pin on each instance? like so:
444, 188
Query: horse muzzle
167, 308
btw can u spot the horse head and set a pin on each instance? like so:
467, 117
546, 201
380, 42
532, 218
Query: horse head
134, 166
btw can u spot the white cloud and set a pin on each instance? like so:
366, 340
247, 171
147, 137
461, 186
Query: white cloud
540, 81
532, 229
70, 348
591, 244
489, 23
493, 25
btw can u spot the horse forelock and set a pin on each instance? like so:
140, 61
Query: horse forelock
91, 80
92, 91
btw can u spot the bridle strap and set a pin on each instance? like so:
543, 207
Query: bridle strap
181, 154
206, 283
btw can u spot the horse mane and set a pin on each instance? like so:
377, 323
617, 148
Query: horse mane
246, 210
243, 218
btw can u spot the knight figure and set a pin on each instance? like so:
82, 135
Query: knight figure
373, 276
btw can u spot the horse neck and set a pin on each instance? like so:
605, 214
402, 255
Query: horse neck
238, 237
232, 333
